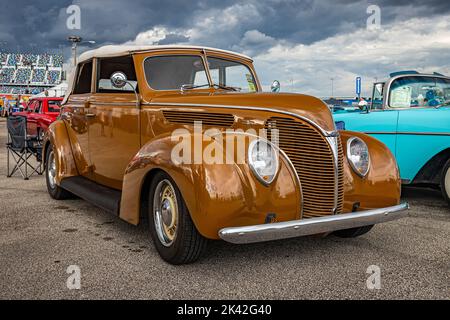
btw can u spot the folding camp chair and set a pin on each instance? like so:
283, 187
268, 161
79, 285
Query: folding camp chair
21, 147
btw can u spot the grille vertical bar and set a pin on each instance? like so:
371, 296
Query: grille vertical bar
313, 159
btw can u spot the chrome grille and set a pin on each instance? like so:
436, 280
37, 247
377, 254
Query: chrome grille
313, 160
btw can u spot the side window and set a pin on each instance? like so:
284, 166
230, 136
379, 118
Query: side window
37, 106
84, 78
107, 66
53, 105
32, 106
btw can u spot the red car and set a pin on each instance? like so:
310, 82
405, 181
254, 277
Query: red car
40, 113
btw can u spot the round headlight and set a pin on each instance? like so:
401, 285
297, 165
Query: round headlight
358, 156
263, 160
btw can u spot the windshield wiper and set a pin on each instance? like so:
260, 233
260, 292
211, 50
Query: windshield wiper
226, 87
191, 86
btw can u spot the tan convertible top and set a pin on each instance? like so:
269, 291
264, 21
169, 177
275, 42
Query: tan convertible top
121, 50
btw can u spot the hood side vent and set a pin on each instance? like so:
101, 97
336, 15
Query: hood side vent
207, 118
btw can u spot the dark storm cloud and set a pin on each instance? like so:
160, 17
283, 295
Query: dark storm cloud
41, 25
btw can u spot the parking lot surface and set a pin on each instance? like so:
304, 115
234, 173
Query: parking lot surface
40, 238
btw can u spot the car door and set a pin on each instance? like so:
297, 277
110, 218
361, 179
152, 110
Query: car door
32, 111
114, 136
76, 115
33, 118
381, 124
422, 133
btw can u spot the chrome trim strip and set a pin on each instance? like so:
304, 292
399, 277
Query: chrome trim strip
333, 142
304, 227
119, 104
410, 133
174, 104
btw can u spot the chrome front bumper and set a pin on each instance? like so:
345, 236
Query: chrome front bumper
305, 227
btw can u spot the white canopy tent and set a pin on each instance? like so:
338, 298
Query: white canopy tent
56, 91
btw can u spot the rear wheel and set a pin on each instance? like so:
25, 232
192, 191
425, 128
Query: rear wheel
173, 232
445, 182
55, 191
353, 233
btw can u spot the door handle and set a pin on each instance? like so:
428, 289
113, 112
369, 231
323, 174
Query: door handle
90, 115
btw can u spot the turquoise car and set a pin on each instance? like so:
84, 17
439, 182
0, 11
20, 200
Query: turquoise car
410, 113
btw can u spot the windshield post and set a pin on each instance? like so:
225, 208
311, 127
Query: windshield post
208, 74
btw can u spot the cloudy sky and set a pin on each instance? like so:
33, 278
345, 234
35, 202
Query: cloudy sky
301, 43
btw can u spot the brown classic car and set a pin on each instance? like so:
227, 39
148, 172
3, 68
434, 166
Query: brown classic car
185, 137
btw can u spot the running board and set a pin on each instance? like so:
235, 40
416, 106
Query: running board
106, 198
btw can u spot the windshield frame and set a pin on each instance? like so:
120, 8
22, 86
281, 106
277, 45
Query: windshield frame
383, 83
211, 87
226, 58
387, 92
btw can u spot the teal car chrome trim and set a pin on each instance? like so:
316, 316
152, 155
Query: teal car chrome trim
305, 227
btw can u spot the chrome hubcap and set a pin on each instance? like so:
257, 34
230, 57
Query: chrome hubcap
51, 170
447, 182
165, 212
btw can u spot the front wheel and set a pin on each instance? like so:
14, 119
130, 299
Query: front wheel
55, 191
174, 234
445, 182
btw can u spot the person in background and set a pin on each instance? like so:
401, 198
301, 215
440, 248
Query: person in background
5, 106
362, 104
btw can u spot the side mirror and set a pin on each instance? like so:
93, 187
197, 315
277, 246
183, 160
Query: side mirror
275, 87
118, 79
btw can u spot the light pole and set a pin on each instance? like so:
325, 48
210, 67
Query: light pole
75, 41
332, 87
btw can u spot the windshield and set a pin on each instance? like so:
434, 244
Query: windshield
419, 91
174, 72
231, 74
377, 96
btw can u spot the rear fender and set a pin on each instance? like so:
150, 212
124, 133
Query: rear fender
58, 138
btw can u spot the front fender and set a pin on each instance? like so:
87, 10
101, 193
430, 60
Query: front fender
216, 195
382, 185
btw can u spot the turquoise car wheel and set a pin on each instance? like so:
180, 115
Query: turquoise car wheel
445, 181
